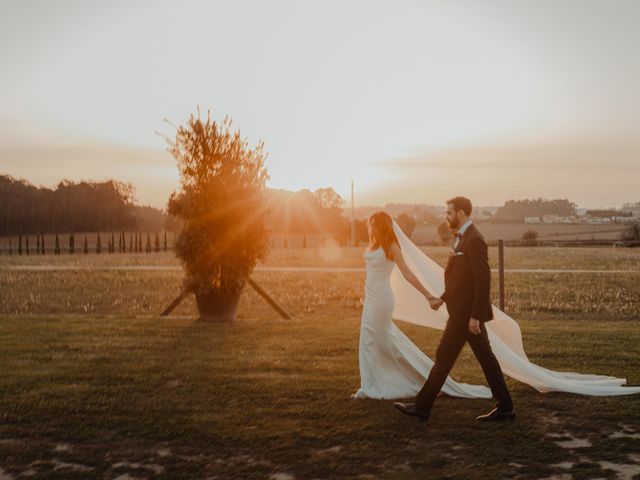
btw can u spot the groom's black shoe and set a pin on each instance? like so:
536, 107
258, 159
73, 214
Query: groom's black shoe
412, 410
496, 415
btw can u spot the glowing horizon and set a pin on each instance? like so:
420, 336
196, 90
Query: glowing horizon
413, 101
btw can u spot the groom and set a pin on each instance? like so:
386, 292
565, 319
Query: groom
467, 282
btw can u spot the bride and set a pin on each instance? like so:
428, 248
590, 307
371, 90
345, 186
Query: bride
399, 282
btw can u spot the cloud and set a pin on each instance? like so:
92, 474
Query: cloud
593, 172
567, 156
52, 154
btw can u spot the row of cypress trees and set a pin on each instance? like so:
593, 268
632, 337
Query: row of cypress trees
285, 243
134, 244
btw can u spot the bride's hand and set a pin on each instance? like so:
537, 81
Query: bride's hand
435, 303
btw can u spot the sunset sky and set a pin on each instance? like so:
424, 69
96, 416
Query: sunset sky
414, 100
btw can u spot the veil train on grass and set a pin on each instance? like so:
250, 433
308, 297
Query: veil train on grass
504, 332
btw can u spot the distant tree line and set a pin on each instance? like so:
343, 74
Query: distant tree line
610, 213
320, 211
58, 246
305, 211
73, 207
422, 213
517, 210
109, 206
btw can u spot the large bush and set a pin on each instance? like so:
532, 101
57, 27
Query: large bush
220, 205
530, 237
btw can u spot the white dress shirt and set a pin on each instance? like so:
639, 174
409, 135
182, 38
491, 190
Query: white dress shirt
461, 231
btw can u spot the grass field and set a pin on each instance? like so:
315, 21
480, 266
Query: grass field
94, 384
547, 231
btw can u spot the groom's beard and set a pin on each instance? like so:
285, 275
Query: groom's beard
453, 224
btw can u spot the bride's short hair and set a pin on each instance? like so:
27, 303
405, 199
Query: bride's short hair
383, 225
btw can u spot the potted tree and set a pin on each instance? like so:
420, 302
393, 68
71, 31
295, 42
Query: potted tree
221, 211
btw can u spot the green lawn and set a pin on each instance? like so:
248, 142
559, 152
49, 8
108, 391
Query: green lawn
93, 384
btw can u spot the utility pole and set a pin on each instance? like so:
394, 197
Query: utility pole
501, 274
353, 218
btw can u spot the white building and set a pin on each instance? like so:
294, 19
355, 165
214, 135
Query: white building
633, 208
551, 219
597, 220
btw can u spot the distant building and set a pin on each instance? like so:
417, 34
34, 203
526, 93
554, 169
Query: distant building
632, 208
551, 219
602, 213
608, 216
624, 219
483, 214
531, 219
597, 220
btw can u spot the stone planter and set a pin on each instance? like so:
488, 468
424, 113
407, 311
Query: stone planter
217, 306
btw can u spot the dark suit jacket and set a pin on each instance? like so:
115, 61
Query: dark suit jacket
467, 279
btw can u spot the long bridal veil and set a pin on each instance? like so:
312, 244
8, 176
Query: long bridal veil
504, 333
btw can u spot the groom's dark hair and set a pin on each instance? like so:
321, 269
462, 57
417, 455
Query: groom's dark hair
461, 203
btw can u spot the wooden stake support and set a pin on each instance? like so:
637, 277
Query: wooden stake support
255, 286
174, 304
269, 300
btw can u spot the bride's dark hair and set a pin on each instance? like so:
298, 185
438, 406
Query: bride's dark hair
382, 233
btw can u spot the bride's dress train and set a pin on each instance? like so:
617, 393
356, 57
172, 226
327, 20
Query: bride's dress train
391, 366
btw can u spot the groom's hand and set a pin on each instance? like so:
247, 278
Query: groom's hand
474, 326
436, 303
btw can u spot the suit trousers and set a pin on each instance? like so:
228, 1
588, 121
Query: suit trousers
456, 333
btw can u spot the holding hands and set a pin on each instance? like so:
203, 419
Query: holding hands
435, 303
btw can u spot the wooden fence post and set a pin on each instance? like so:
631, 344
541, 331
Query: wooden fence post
501, 273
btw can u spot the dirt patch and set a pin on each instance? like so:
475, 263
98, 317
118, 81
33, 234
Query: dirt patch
549, 419
625, 432
163, 452
327, 452
155, 468
615, 435
568, 441
60, 465
281, 476
246, 460
4, 475
624, 471
9, 441
63, 447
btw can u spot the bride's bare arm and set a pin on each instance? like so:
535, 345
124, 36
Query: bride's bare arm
397, 257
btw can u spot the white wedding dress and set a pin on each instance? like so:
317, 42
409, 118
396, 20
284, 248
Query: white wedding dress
393, 367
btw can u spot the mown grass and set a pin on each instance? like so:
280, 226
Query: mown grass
246, 400
92, 378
